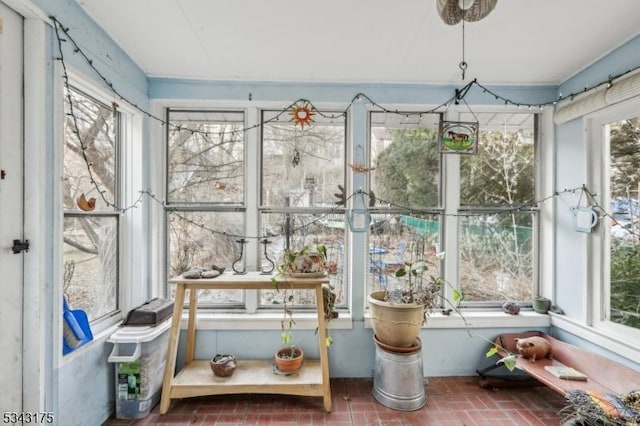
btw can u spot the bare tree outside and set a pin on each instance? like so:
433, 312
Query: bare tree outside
303, 168
496, 249
300, 169
90, 237
205, 194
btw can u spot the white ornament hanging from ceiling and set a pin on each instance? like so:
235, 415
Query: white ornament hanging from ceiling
454, 11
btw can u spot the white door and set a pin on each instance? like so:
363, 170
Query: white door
11, 208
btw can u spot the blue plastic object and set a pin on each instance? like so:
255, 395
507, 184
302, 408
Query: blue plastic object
76, 328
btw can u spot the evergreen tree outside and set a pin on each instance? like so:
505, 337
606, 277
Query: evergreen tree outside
496, 249
408, 170
625, 249
625, 157
502, 173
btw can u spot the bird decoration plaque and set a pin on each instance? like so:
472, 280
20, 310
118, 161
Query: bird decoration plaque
458, 137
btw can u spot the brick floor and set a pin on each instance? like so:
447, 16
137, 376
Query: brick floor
451, 401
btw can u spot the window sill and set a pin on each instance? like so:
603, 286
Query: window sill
308, 321
99, 338
484, 319
623, 345
262, 321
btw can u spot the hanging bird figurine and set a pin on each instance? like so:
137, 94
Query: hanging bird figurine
86, 204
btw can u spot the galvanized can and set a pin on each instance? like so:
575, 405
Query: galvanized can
398, 379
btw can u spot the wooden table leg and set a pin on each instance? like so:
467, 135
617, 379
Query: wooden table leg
191, 326
172, 349
324, 353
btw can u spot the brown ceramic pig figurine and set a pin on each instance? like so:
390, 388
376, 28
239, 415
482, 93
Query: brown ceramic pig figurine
533, 348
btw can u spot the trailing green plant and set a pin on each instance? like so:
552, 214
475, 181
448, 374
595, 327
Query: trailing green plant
421, 289
288, 264
427, 291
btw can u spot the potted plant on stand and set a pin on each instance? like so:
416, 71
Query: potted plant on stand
304, 263
397, 315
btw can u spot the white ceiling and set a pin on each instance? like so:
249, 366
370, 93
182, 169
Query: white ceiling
376, 41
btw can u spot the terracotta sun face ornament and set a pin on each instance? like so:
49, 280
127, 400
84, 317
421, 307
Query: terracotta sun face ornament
86, 204
302, 114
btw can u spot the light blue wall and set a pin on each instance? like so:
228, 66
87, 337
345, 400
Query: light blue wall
619, 61
112, 62
570, 245
572, 258
83, 385
344, 93
353, 351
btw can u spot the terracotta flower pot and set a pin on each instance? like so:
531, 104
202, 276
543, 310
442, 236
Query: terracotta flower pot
395, 324
286, 361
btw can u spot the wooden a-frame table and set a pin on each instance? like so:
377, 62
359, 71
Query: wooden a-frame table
251, 376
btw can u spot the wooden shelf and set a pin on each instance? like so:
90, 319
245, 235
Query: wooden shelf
251, 376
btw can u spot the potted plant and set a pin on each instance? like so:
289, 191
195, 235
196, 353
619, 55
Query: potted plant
299, 263
541, 304
398, 315
304, 262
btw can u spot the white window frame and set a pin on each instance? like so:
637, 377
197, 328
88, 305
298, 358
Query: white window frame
130, 231
248, 304
617, 337
252, 316
450, 209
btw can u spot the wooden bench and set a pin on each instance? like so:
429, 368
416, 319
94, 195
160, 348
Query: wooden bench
603, 374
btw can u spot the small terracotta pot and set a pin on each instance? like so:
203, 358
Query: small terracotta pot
285, 362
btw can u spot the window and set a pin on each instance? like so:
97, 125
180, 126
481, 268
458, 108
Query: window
205, 194
302, 171
405, 195
284, 193
497, 223
495, 227
623, 302
90, 194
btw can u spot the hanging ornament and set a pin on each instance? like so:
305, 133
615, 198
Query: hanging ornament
458, 137
452, 12
86, 204
302, 113
359, 165
358, 217
296, 157
359, 168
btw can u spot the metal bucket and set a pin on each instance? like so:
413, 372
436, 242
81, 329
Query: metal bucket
398, 380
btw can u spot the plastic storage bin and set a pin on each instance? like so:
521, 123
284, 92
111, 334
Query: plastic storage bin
139, 354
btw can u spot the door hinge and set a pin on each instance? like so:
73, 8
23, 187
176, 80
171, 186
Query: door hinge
19, 246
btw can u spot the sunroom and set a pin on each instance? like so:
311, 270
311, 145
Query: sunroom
149, 150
